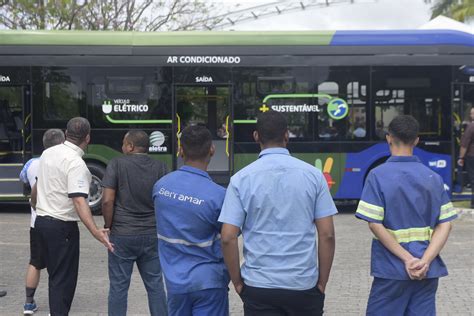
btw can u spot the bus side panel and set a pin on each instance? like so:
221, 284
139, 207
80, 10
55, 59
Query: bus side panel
359, 164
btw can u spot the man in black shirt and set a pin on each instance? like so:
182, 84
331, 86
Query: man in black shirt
128, 211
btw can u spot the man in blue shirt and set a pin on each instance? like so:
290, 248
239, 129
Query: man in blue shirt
409, 212
187, 205
279, 203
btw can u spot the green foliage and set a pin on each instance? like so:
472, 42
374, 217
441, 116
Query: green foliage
460, 10
120, 15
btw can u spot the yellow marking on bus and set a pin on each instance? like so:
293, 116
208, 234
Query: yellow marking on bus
178, 134
264, 108
228, 135
328, 165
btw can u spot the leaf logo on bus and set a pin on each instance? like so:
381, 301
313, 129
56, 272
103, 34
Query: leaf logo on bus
107, 107
326, 170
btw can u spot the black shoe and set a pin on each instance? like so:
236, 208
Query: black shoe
3, 293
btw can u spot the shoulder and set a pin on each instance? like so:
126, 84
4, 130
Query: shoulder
167, 179
158, 163
77, 162
30, 163
217, 189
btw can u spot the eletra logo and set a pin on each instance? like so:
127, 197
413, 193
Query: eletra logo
157, 139
338, 109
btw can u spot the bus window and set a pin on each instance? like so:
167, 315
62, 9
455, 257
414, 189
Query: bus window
63, 94
271, 85
132, 95
354, 126
417, 91
384, 114
357, 118
428, 113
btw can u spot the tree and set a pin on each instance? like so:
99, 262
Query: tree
460, 10
122, 15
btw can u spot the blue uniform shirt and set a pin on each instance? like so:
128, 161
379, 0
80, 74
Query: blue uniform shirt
275, 201
187, 205
409, 199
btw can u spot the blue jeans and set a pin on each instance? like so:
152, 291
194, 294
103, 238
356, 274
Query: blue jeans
142, 249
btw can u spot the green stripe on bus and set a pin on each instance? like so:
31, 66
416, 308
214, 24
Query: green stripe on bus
113, 121
296, 95
221, 38
245, 121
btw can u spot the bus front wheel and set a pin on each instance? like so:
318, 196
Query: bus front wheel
95, 191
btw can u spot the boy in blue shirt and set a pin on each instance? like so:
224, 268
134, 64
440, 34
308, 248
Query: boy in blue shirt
187, 206
410, 214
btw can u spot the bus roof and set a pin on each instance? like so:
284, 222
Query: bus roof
234, 38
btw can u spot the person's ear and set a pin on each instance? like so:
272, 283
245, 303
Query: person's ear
88, 138
389, 139
256, 137
212, 150
286, 138
417, 140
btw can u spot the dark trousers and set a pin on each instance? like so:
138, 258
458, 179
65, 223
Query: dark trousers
276, 302
402, 297
60, 249
470, 171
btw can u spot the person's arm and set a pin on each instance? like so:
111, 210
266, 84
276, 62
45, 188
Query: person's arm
326, 248
465, 143
34, 196
438, 240
84, 212
230, 250
412, 264
462, 155
108, 200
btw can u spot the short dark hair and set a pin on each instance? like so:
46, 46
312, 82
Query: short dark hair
271, 127
77, 129
196, 142
139, 139
52, 137
404, 128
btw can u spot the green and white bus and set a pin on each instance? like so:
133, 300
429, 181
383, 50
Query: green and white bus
338, 89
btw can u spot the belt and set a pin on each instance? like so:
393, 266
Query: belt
51, 218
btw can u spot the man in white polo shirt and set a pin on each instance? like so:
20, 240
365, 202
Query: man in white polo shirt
60, 195
28, 175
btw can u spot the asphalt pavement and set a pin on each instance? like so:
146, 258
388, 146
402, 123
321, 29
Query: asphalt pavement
346, 293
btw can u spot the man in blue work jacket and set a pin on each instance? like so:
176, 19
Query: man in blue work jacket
410, 214
187, 206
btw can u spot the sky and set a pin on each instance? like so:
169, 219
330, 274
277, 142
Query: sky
363, 14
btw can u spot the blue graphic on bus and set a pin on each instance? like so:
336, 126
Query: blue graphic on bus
338, 109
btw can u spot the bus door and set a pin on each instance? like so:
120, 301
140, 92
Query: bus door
15, 137
463, 101
209, 106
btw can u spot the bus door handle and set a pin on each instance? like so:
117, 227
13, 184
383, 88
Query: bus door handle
178, 133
